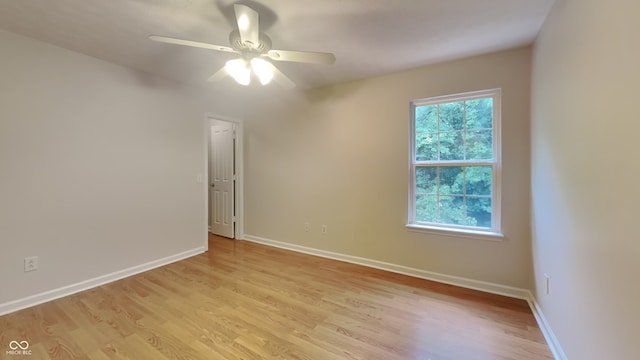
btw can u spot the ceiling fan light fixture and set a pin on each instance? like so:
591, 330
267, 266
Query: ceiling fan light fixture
262, 70
252, 46
239, 70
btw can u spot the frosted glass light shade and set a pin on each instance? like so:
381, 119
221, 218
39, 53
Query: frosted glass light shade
239, 70
262, 70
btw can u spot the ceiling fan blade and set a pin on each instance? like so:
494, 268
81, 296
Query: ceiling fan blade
281, 78
169, 40
218, 75
302, 56
248, 25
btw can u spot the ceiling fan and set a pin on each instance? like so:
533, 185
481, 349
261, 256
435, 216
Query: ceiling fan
253, 47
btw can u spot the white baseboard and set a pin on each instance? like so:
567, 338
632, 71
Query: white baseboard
545, 328
15, 305
484, 286
400, 269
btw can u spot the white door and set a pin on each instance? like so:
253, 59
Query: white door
221, 176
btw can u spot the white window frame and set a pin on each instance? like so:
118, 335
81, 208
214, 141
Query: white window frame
495, 231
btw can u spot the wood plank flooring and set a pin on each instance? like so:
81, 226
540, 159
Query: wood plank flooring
248, 301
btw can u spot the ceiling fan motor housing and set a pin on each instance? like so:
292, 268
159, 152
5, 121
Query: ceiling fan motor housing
263, 46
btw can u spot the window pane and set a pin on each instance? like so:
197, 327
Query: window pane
452, 210
451, 180
479, 114
480, 145
427, 118
427, 180
427, 208
452, 116
470, 221
451, 146
478, 180
442, 198
455, 160
426, 146
479, 209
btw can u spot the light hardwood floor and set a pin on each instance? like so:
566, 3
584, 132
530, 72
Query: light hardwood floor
248, 301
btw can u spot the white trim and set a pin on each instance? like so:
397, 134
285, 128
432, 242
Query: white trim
29, 301
471, 95
239, 216
545, 328
239, 191
400, 269
205, 189
488, 287
461, 233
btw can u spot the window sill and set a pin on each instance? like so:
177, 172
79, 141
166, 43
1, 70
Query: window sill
462, 233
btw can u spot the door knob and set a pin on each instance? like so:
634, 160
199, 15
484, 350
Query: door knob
213, 185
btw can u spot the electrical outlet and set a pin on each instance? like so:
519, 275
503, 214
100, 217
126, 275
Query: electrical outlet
307, 227
547, 283
30, 263
324, 230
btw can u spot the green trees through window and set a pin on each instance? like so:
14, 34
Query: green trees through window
459, 195
455, 131
453, 161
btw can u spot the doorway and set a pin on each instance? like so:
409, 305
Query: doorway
224, 175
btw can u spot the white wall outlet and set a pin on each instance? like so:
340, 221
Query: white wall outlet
547, 281
307, 227
30, 263
324, 230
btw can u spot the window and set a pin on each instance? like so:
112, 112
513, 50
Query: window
455, 163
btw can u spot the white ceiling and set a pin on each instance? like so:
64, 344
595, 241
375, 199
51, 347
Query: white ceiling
368, 37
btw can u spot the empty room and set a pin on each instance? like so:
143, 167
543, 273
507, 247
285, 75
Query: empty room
280, 179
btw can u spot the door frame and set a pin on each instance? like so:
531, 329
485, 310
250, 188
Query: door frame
239, 166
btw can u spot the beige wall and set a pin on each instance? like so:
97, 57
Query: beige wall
585, 126
98, 167
339, 156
